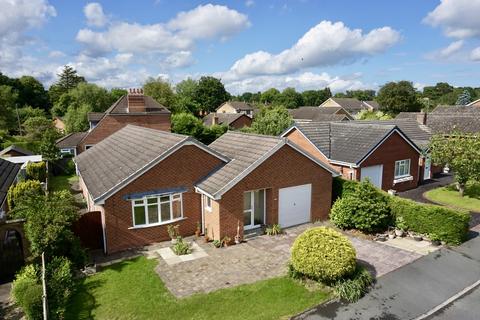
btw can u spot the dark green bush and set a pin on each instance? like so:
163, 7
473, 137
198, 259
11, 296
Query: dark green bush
342, 187
36, 171
323, 254
365, 209
355, 286
442, 223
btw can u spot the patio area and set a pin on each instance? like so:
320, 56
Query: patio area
257, 259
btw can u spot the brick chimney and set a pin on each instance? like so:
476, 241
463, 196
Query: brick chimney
214, 119
422, 118
136, 100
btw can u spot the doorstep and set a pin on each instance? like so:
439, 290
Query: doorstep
421, 247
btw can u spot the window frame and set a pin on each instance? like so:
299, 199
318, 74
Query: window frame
404, 164
172, 197
208, 207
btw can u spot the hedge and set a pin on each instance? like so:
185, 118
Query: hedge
323, 254
342, 187
36, 171
437, 222
21, 189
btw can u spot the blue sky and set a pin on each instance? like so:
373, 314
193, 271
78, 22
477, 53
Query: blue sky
251, 44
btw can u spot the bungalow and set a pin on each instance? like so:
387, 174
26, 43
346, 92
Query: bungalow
237, 107
352, 105
68, 145
8, 176
133, 108
320, 114
380, 152
141, 180
231, 120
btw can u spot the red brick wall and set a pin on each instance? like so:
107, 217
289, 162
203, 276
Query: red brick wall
286, 168
182, 169
112, 123
393, 149
243, 121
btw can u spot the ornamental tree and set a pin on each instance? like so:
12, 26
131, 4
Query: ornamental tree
461, 153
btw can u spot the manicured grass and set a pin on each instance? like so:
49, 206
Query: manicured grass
132, 290
449, 196
57, 183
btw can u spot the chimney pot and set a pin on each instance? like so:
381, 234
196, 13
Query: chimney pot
214, 119
136, 100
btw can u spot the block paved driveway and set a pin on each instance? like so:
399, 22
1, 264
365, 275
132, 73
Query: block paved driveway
262, 258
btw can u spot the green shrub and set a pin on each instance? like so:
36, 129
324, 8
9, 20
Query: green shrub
355, 286
342, 187
323, 254
181, 247
442, 223
27, 292
36, 171
365, 209
23, 189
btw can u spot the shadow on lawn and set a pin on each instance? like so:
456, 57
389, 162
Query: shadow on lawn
83, 303
472, 190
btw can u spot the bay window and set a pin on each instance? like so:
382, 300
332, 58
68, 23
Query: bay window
157, 209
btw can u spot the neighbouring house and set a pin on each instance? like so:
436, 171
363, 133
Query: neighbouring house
141, 180
475, 103
68, 145
93, 119
320, 114
231, 120
380, 152
8, 176
237, 107
352, 105
15, 151
133, 108
59, 124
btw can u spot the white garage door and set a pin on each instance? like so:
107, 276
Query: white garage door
374, 173
294, 205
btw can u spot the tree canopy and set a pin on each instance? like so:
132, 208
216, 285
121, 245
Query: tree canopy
160, 90
395, 97
271, 120
211, 93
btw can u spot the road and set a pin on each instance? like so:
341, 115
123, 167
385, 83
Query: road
416, 289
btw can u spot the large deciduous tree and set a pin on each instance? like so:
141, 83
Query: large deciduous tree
32, 93
211, 93
290, 98
269, 96
461, 153
271, 121
8, 98
160, 90
186, 99
395, 97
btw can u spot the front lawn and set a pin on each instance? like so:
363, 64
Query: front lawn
450, 196
132, 290
58, 183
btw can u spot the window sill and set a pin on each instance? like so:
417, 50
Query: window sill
157, 224
402, 179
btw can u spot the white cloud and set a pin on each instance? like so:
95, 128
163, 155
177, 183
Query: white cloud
448, 51
94, 14
301, 82
249, 3
325, 44
180, 59
56, 54
458, 18
209, 21
179, 34
475, 54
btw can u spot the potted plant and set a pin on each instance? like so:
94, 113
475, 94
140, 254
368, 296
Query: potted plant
237, 236
206, 238
381, 237
434, 239
401, 227
198, 230
416, 236
173, 233
181, 247
217, 243
226, 240
391, 233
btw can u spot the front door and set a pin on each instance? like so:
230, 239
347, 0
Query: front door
427, 169
253, 209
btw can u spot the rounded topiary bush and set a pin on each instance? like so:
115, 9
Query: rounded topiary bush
323, 254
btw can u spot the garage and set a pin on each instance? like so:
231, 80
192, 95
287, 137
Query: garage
294, 205
374, 173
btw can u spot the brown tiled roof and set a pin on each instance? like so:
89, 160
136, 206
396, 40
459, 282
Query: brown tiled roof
449, 123
223, 118
16, 149
121, 106
318, 114
455, 109
407, 115
95, 116
70, 140
112, 162
8, 173
239, 105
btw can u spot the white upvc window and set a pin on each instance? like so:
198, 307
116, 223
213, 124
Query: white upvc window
208, 203
402, 168
157, 209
